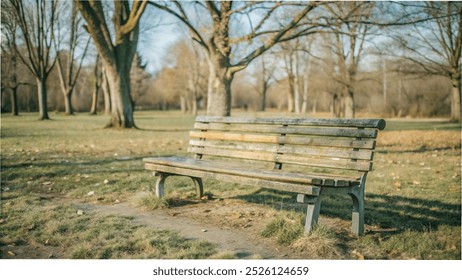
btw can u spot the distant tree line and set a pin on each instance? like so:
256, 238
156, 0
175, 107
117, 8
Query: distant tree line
395, 59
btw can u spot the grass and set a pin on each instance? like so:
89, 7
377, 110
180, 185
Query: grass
49, 168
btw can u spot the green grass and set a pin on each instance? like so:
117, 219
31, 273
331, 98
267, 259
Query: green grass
413, 196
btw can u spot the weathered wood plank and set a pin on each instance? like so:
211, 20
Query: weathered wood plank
366, 123
278, 139
319, 131
336, 163
286, 149
233, 169
283, 186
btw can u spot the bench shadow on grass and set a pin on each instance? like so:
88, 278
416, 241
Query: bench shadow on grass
389, 213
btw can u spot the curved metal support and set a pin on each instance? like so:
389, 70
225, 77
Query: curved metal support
358, 207
199, 186
159, 188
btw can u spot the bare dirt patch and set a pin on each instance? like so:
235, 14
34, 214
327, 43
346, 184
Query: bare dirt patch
232, 225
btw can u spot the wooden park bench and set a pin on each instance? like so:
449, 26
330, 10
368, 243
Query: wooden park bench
320, 156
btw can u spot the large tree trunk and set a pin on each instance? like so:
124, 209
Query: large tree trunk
42, 98
121, 102
456, 100
68, 103
219, 89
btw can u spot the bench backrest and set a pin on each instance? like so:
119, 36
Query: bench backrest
346, 144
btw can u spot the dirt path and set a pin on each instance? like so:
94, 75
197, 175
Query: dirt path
194, 222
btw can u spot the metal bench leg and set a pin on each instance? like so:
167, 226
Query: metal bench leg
199, 186
312, 212
160, 184
358, 208
357, 214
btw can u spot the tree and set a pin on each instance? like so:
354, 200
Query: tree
9, 57
68, 67
190, 64
435, 43
227, 48
264, 75
36, 29
345, 42
98, 76
116, 52
138, 77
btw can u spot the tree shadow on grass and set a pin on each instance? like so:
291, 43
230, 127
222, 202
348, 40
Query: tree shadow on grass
391, 213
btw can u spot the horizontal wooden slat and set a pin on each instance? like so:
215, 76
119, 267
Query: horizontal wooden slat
366, 123
274, 175
277, 139
285, 149
291, 159
319, 131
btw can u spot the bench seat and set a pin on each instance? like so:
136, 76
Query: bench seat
176, 164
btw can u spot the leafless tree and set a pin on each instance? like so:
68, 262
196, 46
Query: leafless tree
69, 61
435, 43
117, 52
98, 77
190, 67
139, 76
264, 75
36, 22
228, 31
9, 57
345, 42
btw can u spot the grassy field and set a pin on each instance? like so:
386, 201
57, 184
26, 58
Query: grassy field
50, 169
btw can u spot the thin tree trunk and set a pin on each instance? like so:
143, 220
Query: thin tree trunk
42, 98
106, 93
296, 94
94, 102
336, 106
68, 103
290, 94
183, 104
194, 105
305, 95
315, 103
14, 101
296, 83
349, 105
263, 98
